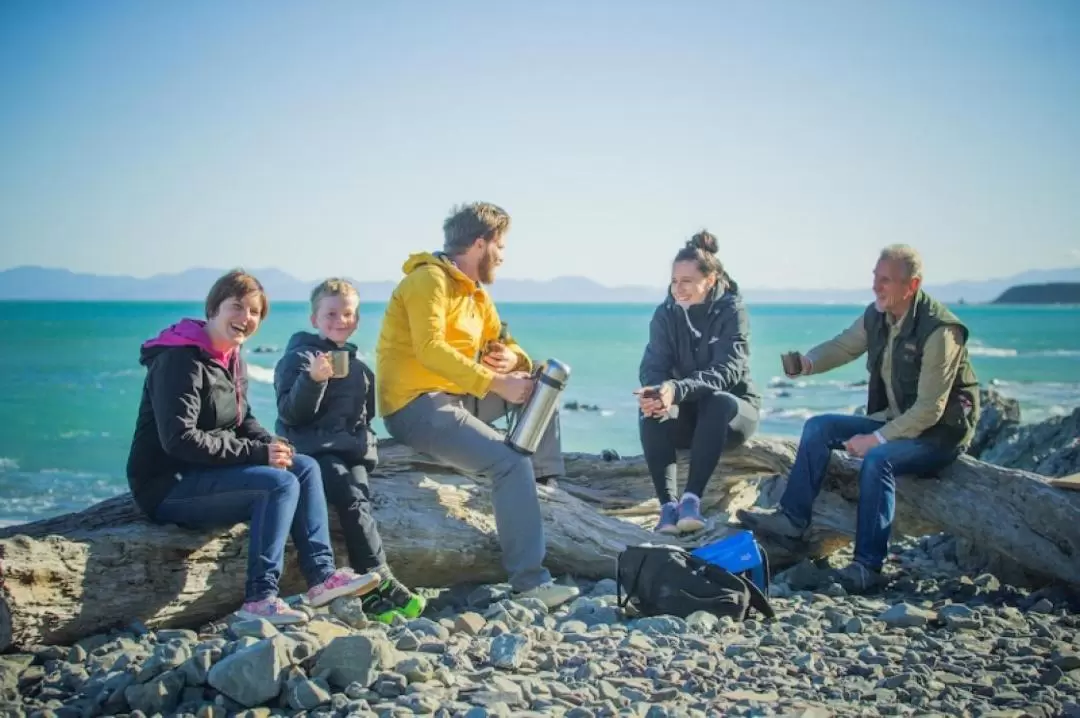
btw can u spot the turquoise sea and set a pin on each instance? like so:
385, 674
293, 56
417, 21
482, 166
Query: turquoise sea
70, 380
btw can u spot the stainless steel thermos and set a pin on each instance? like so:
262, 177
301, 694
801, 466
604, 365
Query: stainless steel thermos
550, 380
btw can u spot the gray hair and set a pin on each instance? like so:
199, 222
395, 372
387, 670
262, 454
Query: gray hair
908, 257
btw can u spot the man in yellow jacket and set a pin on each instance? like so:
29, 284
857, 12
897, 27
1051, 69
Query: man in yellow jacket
445, 370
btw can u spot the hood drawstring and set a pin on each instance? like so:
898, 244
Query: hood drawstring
686, 316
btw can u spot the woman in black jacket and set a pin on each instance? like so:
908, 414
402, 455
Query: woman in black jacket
695, 375
201, 460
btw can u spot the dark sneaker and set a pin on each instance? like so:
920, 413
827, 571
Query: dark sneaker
769, 521
669, 517
393, 598
856, 578
549, 481
690, 518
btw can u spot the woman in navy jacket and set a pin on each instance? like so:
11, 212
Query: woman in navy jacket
695, 375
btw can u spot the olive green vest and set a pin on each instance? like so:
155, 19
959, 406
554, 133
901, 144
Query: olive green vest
957, 424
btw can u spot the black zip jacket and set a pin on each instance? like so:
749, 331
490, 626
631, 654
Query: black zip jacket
703, 349
331, 417
193, 412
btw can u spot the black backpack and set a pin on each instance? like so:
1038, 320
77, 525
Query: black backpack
669, 580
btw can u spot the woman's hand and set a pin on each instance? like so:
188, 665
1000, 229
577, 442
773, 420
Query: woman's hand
655, 401
281, 454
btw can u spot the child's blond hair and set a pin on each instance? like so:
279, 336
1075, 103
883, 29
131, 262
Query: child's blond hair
333, 287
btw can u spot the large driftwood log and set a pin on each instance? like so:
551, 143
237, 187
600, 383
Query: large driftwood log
74, 575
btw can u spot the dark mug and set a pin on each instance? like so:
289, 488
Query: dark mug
792, 362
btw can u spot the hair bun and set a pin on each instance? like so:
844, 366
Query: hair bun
704, 241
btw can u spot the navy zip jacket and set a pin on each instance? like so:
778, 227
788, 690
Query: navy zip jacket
331, 417
703, 349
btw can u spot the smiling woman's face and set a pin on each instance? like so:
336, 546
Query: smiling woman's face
688, 284
236, 319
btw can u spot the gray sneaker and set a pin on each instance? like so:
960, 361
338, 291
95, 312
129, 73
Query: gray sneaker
769, 521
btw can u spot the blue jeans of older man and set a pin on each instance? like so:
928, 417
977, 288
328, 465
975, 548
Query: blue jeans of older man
877, 477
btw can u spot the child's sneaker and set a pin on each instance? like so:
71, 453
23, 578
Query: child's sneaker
343, 582
393, 598
273, 610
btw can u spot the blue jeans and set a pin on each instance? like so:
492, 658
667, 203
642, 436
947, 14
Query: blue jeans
877, 477
277, 502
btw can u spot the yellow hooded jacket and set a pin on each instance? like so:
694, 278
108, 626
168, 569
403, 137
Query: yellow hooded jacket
436, 324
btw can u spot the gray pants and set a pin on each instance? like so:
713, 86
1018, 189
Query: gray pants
456, 430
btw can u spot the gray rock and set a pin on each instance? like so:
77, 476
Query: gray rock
197, 668
161, 695
419, 703
416, 670
349, 610
855, 625
306, 694
1066, 659
256, 628
661, 625
470, 623
702, 622
604, 587
509, 650
166, 657
483, 596
407, 641
905, 615
1043, 605
253, 675
184, 635
427, 627
355, 659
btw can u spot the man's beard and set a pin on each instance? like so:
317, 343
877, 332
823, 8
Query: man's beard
486, 270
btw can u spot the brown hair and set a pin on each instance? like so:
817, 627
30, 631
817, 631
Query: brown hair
701, 249
333, 287
467, 223
237, 284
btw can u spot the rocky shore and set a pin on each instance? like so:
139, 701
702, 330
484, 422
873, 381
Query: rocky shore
933, 642
942, 637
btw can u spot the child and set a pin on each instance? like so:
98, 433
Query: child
328, 418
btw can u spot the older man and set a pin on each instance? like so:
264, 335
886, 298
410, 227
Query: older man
922, 408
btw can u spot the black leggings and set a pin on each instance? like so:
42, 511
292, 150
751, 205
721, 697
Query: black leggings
708, 427
348, 492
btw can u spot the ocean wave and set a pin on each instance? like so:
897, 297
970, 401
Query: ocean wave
977, 350
7, 464
260, 374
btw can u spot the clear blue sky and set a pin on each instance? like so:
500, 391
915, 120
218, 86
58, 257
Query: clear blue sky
332, 137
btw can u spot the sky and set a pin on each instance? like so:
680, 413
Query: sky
330, 138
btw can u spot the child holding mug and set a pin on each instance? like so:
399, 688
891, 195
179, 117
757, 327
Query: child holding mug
326, 401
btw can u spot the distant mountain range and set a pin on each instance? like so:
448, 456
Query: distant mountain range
43, 283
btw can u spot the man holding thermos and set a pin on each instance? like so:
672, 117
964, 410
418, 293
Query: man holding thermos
442, 352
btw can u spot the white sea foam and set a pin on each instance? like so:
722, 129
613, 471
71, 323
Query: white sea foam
978, 350
260, 374
7, 464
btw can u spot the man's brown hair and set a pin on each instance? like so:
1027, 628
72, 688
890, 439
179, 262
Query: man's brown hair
237, 284
333, 287
470, 222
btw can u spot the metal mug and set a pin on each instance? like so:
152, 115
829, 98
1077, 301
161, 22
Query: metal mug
339, 359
